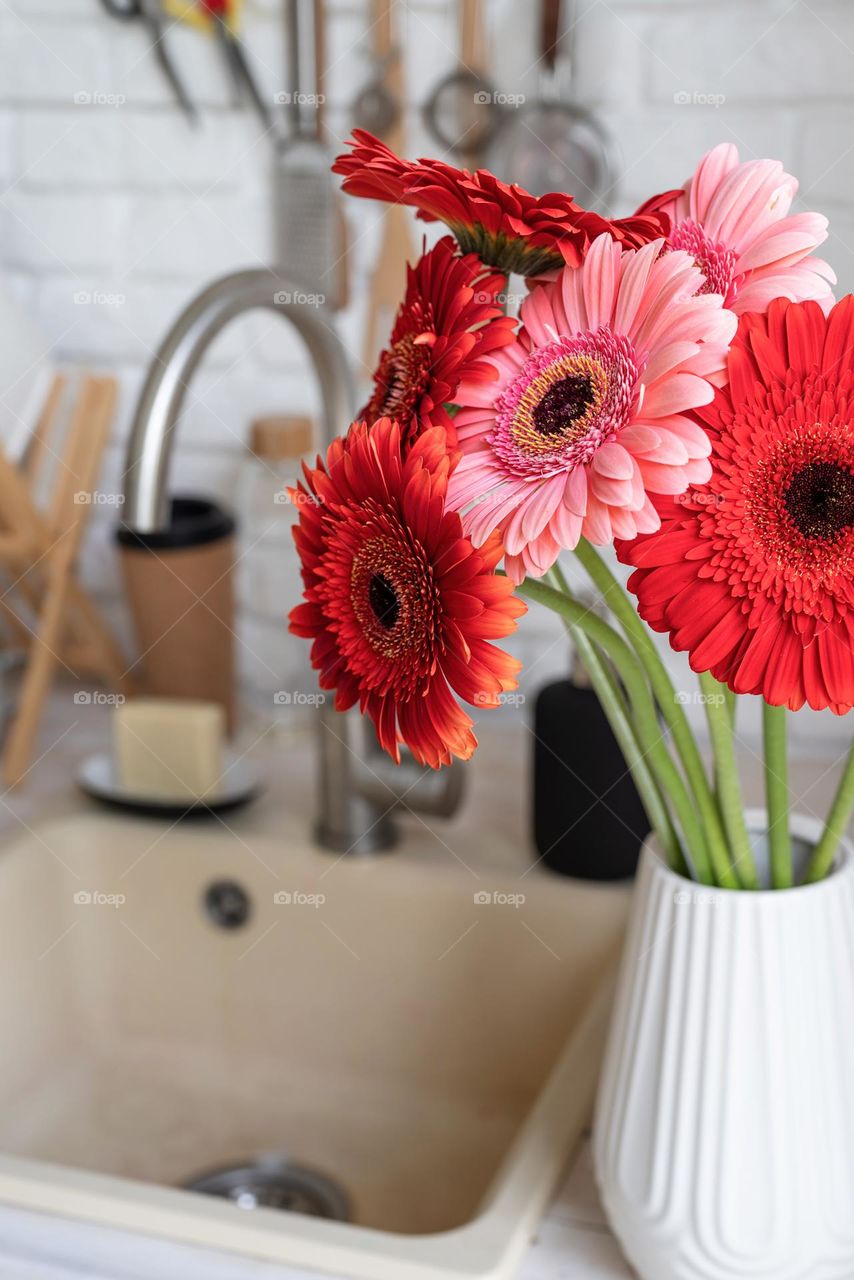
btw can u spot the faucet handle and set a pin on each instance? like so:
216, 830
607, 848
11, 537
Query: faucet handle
361, 787
409, 785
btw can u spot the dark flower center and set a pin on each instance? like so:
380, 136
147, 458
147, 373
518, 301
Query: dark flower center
400, 379
820, 500
391, 593
563, 403
384, 601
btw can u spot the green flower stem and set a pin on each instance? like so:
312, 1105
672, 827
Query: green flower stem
608, 692
613, 703
643, 714
837, 820
726, 777
673, 711
777, 795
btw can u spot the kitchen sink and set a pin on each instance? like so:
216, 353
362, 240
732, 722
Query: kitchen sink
179, 1000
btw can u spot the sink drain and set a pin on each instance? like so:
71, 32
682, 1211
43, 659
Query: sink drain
275, 1183
227, 904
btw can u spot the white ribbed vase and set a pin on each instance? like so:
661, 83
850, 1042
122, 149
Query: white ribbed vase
724, 1132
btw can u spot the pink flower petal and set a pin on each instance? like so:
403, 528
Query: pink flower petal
780, 247
692, 435
537, 315
673, 395
597, 523
648, 520
711, 171
565, 526
660, 478
601, 269
474, 476
514, 536
636, 271
638, 438
575, 492
615, 493
735, 218
623, 523
667, 358
613, 460
748, 194
670, 450
487, 515
538, 510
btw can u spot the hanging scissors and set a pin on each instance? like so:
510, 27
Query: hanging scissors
151, 13
234, 56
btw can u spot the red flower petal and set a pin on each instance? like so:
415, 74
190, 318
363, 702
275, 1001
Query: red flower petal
448, 320
397, 601
503, 224
752, 572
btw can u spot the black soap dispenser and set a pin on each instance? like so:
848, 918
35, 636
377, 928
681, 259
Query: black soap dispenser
588, 818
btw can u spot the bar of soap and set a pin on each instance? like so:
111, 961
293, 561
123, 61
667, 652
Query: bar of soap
169, 748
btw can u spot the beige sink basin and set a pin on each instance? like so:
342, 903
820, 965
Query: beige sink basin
436, 1055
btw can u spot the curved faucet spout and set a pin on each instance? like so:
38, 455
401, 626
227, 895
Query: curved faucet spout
162, 397
354, 818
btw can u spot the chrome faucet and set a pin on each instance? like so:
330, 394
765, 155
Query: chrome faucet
359, 789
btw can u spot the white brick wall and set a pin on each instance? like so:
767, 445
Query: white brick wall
127, 200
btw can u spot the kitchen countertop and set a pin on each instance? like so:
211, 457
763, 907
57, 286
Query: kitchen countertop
573, 1241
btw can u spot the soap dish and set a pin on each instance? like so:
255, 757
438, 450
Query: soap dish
237, 786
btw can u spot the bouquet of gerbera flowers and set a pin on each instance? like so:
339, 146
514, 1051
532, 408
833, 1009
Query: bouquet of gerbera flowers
677, 383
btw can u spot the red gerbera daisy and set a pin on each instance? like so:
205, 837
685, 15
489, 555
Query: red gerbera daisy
400, 606
752, 572
503, 224
448, 320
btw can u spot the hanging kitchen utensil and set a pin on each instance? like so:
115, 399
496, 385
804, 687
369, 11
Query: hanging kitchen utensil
244, 85
375, 108
150, 12
338, 288
191, 13
554, 143
308, 224
396, 246
461, 112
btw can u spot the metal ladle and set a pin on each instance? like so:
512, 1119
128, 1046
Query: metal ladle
554, 143
375, 107
461, 113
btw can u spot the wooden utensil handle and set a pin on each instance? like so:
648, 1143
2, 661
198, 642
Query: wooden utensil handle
472, 49
549, 32
381, 27
388, 55
319, 62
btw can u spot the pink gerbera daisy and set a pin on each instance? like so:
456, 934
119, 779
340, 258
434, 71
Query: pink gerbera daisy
587, 413
733, 218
